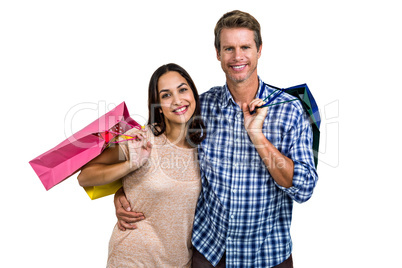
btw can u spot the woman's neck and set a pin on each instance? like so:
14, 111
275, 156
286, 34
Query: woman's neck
177, 135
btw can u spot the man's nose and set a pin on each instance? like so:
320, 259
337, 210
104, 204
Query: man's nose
238, 54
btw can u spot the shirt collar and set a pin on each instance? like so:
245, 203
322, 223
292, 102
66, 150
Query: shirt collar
227, 97
261, 92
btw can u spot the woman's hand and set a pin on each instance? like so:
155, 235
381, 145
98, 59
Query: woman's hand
139, 150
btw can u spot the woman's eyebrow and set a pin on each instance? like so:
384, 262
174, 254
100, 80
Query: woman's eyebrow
163, 90
182, 84
179, 86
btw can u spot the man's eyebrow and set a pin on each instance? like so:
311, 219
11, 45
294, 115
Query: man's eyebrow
243, 45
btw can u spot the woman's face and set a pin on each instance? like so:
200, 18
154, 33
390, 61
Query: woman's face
176, 99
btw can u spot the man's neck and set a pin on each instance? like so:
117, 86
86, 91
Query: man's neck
243, 92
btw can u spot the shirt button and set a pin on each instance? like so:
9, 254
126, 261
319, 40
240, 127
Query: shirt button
232, 216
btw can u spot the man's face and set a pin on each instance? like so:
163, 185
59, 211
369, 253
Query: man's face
239, 54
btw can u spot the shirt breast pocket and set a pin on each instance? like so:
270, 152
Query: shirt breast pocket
274, 129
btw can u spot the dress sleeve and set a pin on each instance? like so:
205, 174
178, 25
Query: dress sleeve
124, 148
123, 144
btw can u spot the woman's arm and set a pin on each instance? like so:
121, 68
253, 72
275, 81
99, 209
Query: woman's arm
112, 164
104, 169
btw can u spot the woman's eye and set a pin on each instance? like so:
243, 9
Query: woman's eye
183, 89
165, 96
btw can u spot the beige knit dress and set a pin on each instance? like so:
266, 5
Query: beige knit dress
165, 189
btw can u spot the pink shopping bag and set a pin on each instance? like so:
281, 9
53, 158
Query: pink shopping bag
59, 163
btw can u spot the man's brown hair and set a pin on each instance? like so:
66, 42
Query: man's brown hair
237, 19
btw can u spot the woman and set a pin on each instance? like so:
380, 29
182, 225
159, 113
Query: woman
160, 172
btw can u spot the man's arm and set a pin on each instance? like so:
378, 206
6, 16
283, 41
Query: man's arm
279, 166
125, 217
294, 173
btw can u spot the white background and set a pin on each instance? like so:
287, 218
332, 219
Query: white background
60, 58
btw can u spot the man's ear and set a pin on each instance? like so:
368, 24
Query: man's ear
218, 54
259, 51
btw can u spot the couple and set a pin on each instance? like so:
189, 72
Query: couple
253, 163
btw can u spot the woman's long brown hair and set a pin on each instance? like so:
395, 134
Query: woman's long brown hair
196, 131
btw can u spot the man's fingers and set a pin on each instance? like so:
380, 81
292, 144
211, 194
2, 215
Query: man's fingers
255, 103
121, 228
124, 203
245, 108
124, 226
127, 220
131, 219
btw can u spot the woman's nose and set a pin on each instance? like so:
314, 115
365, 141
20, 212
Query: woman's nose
176, 99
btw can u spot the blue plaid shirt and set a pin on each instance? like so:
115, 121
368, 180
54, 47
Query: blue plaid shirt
241, 210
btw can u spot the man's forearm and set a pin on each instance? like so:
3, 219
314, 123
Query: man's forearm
279, 166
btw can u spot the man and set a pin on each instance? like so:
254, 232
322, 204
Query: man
254, 162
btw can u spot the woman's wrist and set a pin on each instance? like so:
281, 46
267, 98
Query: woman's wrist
130, 166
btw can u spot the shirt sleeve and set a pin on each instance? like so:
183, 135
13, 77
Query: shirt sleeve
300, 151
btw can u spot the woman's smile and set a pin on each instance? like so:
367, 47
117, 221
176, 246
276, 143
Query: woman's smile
181, 110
